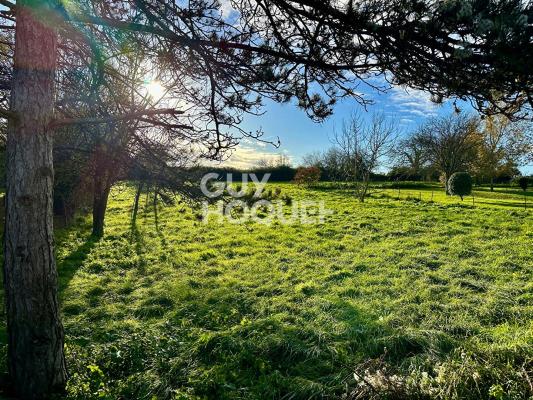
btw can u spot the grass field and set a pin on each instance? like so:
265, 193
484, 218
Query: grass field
388, 299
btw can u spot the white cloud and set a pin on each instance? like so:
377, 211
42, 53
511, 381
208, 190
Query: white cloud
411, 101
406, 121
247, 155
226, 8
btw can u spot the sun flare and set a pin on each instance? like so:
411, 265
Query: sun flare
155, 90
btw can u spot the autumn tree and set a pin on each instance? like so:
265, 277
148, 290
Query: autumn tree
330, 162
503, 144
307, 176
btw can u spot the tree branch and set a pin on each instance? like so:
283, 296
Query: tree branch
7, 4
221, 44
165, 125
113, 118
7, 114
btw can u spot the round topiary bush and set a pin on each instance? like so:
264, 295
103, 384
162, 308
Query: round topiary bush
460, 184
523, 182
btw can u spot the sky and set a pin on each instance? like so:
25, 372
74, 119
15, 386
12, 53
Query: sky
299, 135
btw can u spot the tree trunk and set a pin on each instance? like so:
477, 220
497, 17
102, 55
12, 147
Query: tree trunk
100, 197
492, 184
446, 186
156, 216
136, 203
36, 361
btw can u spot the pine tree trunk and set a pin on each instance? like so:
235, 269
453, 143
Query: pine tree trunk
35, 335
100, 197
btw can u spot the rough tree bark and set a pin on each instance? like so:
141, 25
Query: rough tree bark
35, 345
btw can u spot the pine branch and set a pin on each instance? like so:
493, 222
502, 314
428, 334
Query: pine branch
113, 118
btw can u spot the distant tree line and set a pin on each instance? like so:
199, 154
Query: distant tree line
279, 168
490, 148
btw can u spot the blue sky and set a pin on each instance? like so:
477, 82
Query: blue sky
299, 135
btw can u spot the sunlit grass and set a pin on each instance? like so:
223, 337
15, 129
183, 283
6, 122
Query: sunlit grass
438, 293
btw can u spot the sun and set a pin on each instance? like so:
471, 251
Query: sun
155, 90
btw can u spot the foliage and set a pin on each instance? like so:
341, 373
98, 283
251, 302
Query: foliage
503, 145
307, 176
280, 173
460, 184
489, 147
220, 67
523, 182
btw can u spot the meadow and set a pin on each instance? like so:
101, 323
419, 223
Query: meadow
409, 295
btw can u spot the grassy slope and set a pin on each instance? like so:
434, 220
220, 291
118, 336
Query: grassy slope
440, 293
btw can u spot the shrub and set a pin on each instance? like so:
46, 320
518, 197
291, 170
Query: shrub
307, 176
460, 184
523, 182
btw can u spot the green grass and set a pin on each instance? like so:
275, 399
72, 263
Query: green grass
387, 299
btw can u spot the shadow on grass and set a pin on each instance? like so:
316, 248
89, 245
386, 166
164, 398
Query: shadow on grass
69, 265
515, 192
508, 204
136, 237
300, 353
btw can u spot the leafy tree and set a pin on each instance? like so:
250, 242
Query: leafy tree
502, 144
330, 162
460, 184
410, 153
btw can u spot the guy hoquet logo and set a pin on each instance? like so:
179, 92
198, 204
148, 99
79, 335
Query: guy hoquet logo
244, 201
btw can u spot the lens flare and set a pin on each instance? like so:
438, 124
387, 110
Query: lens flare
155, 90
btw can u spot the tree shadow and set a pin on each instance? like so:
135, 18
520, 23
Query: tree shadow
137, 238
304, 351
515, 192
508, 204
69, 265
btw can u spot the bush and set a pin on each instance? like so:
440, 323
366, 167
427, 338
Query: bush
523, 182
460, 184
307, 176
